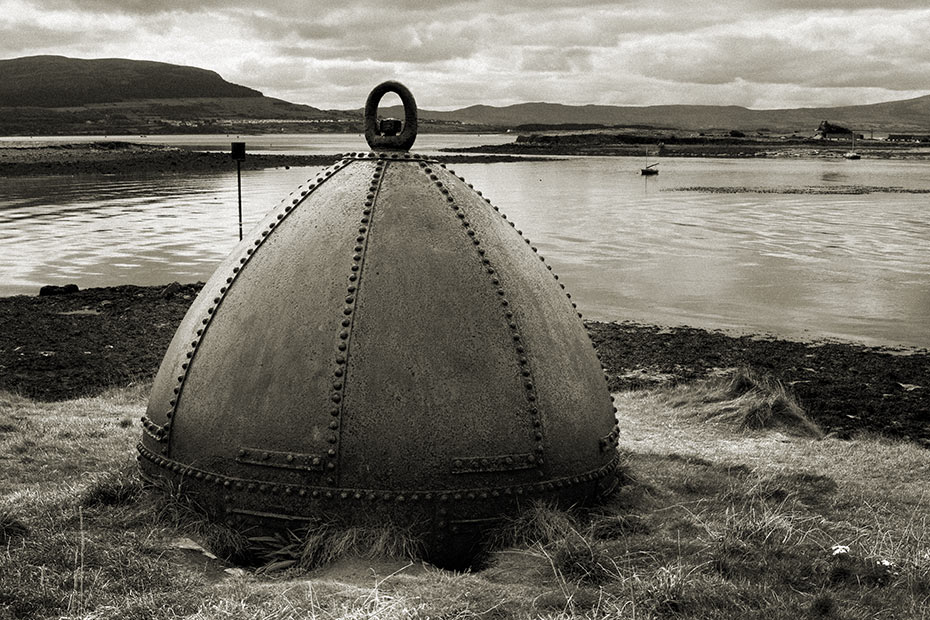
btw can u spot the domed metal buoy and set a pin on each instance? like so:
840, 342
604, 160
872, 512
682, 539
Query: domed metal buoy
385, 347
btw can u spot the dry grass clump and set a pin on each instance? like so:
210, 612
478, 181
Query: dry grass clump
325, 543
746, 400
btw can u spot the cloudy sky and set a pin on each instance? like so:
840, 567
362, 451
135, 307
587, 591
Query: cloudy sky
454, 53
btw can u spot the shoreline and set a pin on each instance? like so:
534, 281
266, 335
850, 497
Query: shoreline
107, 157
60, 347
122, 156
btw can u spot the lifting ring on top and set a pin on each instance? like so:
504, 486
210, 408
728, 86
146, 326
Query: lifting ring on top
405, 139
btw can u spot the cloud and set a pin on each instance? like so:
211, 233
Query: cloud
762, 53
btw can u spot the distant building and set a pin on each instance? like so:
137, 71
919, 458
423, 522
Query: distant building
908, 137
829, 131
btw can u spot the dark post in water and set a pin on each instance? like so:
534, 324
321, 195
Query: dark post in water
238, 153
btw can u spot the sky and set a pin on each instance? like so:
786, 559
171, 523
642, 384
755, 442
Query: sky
759, 54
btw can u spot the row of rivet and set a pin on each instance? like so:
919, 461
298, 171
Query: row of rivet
250, 486
285, 207
526, 374
548, 267
402, 156
153, 430
609, 441
347, 319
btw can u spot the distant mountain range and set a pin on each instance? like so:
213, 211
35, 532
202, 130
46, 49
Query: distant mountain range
58, 95
898, 116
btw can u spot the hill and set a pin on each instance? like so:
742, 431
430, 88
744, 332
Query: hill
57, 81
47, 95
910, 115
55, 95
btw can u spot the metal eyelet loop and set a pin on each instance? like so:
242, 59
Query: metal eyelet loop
405, 139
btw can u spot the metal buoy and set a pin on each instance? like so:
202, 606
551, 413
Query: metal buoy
384, 347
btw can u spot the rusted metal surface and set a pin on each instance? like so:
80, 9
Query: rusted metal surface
385, 345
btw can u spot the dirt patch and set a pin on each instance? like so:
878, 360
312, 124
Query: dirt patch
64, 346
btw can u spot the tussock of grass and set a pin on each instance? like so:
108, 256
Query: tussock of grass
746, 400
325, 543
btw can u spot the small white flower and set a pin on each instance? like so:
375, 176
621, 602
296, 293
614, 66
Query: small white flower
885, 563
840, 549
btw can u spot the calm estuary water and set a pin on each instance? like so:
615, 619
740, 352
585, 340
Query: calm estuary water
855, 267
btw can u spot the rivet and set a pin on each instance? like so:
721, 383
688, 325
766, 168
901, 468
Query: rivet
334, 425
330, 466
336, 398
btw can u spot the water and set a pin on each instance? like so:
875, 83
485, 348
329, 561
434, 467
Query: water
851, 267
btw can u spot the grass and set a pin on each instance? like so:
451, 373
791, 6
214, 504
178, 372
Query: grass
731, 509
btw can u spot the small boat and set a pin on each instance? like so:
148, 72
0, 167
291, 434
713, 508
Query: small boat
649, 170
852, 154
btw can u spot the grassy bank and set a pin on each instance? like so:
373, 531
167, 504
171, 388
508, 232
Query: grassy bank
732, 508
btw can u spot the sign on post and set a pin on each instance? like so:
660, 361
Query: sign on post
238, 153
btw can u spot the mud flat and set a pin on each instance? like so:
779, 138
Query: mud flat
63, 346
130, 158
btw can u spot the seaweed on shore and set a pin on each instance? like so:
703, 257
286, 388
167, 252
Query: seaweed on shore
65, 346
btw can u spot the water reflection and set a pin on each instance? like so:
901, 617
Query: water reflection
855, 267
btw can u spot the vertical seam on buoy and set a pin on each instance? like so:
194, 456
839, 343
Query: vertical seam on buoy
554, 275
162, 434
347, 322
537, 434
